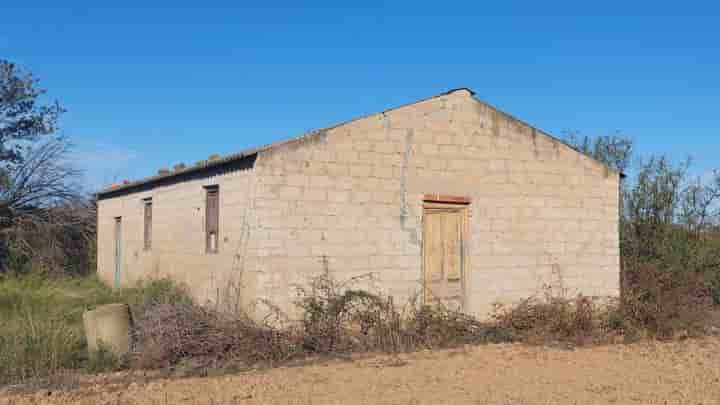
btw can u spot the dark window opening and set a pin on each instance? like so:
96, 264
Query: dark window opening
148, 223
212, 217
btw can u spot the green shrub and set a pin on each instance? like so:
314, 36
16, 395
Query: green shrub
663, 304
147, 293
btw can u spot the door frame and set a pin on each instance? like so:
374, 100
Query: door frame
460, 204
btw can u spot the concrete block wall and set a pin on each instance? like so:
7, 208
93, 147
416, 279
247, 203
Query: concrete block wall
178, 236
349, 199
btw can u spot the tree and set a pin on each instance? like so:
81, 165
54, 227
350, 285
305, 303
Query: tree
616, 151
40, 177
23, 118
669, 219
41, 207
700, 206
32, 168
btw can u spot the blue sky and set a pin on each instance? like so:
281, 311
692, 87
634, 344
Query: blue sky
150, 86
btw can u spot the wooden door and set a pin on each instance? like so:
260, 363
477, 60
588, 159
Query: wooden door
444, 256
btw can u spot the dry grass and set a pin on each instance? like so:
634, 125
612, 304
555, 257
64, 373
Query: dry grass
41, 334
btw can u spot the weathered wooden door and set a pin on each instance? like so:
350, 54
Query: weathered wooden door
118, 250
444, 258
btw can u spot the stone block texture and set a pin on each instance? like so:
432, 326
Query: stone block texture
349, 199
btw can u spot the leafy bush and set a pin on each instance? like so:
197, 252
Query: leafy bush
664, 304
148, 293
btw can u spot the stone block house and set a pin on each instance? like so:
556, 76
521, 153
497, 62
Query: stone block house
446, 198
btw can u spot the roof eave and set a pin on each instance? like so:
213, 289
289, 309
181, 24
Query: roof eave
210, 165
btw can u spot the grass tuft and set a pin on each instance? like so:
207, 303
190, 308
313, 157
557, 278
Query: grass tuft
41, 331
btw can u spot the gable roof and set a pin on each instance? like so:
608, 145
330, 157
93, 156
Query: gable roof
251, 153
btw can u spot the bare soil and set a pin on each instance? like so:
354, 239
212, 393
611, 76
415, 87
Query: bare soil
682, 372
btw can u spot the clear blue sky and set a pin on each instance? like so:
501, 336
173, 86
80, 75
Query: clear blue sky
147, 87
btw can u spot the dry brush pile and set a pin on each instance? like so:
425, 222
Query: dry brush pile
335, 320
339, 320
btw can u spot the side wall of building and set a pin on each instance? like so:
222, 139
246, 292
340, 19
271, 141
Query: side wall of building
178, 237
349, 200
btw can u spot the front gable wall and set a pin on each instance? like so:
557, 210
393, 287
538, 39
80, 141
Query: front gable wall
349, 199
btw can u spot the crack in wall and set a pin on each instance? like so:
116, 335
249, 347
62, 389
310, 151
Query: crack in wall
407, 154
404, 212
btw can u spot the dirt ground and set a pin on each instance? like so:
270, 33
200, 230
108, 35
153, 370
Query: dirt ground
686, 372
